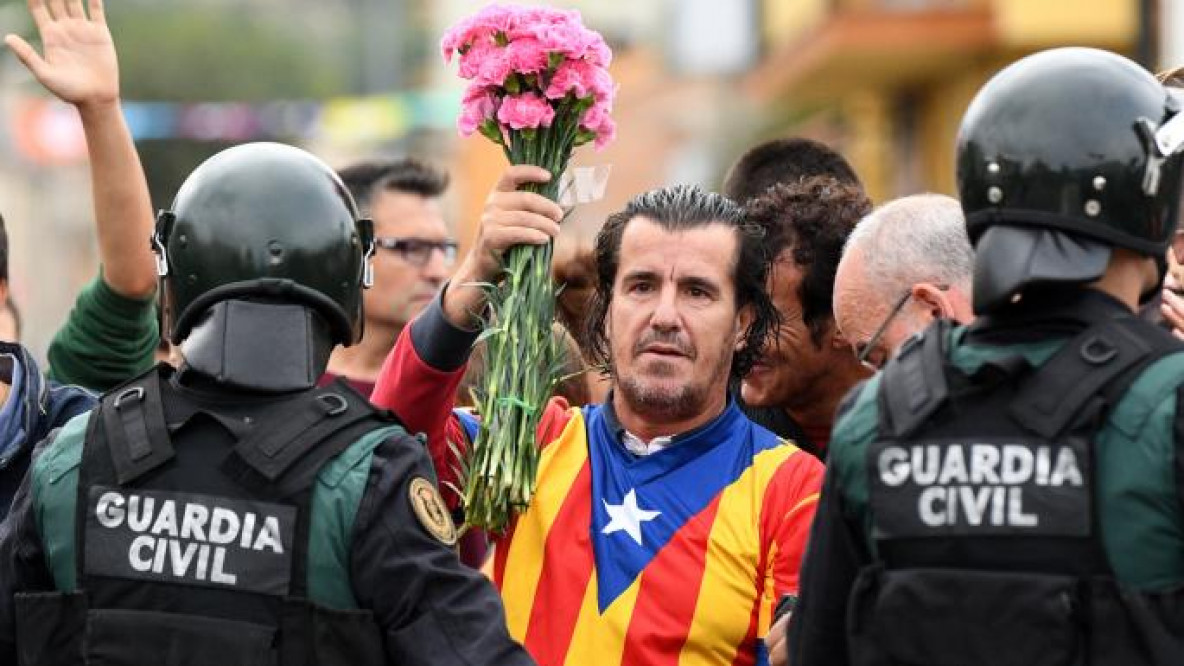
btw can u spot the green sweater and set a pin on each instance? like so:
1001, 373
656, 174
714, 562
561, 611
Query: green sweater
106, 340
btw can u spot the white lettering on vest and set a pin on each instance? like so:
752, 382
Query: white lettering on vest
223, 526
188, 539
135, 554
109, 510
894, 465
977, 484
193, 525
269, 536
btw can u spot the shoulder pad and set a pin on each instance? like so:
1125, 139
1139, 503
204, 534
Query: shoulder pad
333, 472
913, 384
61, 451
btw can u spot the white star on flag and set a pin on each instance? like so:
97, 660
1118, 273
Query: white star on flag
628, 516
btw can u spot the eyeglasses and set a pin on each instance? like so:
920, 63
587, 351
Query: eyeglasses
872, 356
418, 251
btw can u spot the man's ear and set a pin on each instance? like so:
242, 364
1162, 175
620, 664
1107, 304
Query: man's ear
836, 337
744, 319
933, 301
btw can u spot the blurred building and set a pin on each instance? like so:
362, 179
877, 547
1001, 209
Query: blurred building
887, 81
679, 116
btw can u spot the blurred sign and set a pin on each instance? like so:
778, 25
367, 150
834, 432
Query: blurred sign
713, 37
48, 132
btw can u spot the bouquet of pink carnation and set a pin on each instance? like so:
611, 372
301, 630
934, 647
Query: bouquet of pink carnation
540, 87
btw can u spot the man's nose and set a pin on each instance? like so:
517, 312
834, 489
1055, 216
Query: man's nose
438, 268
666, 316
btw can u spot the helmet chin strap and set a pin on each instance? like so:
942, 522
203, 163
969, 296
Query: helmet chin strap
259, 346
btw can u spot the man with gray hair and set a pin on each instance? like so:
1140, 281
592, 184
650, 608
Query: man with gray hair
905, 264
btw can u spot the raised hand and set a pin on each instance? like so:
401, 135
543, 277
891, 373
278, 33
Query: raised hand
78, 64
511, 217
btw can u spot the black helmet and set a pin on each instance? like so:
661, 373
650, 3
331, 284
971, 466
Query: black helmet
1062, 156
264, 220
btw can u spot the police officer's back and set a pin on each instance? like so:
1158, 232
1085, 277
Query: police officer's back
1011, 492
230, 512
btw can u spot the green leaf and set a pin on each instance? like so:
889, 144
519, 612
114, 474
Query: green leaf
512, 84
491, 130
486, 334
584, 136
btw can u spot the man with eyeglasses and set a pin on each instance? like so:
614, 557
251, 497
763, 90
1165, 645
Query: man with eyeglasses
414, 254
1010, 492
906, 264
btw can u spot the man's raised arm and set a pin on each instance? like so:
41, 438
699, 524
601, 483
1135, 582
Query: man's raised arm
419, 378
79, 66
111, 333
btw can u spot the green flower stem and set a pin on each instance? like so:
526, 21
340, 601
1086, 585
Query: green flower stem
498, 474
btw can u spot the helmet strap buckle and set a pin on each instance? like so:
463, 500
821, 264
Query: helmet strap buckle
1161, 143
164, 226
366, 235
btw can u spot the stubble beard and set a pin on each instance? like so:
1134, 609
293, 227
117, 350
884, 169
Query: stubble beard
665, 403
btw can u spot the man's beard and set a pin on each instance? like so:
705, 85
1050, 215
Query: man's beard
679, 403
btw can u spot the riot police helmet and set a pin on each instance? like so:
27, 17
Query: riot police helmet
1061, 157
263, 222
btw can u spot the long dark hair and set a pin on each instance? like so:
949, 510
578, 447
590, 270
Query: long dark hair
679, 208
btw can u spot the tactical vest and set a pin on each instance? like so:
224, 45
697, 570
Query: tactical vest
984, 523
191, 550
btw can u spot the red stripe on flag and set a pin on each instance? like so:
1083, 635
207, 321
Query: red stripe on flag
669, 593
501, 552
787, 511
792, 488
567, 566
746, 654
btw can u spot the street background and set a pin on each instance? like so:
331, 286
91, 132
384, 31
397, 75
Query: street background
883, 81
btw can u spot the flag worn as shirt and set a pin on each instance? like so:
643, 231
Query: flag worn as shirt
700, 588
673, 558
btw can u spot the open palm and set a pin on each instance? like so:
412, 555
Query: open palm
79, 64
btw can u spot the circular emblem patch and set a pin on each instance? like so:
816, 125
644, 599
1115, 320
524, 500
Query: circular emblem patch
431, 512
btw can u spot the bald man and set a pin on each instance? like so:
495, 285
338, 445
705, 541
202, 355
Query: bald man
905, 264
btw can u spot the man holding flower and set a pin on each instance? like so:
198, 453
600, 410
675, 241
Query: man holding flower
665, 525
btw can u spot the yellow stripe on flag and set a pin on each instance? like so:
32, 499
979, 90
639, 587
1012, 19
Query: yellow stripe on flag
559, 464
599, 640
730, 585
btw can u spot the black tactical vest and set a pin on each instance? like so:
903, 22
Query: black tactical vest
192, 534
982, 498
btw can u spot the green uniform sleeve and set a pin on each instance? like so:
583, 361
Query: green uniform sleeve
854, 431
107, 339
335, 500
1137, 482
54, 478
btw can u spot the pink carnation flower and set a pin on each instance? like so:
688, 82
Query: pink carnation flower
478, 57
581, 78
524, 111
478, 105
481, 26
526, 55
598, 119
493, 68
531, 20
489, 64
